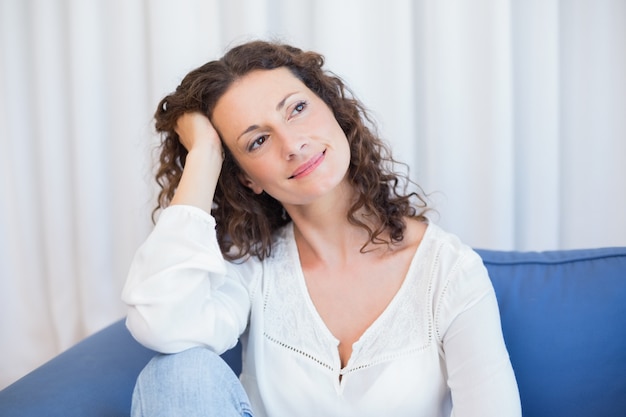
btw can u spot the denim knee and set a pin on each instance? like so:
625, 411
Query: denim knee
193, 382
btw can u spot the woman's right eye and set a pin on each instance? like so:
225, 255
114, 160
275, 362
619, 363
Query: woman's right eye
256, 143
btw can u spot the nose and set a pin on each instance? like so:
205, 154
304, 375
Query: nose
292, 142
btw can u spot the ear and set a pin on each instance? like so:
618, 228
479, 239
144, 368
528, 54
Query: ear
248, 182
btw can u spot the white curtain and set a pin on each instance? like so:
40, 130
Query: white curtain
512, 112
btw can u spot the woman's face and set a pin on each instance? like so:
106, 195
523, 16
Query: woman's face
284, 137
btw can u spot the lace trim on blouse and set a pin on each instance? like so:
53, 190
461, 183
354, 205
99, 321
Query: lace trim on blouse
291, 321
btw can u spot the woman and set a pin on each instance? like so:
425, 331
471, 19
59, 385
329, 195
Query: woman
283, 226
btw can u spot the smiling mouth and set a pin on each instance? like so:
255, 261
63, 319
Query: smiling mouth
309, 166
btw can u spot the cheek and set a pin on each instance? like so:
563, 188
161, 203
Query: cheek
342, 143
259, 173
331, 129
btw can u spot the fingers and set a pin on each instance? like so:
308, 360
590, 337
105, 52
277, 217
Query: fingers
195, 129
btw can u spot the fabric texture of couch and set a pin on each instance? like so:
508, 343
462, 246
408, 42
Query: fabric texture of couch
564, 322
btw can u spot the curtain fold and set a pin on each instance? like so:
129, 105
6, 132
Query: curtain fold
511, 113
536, 114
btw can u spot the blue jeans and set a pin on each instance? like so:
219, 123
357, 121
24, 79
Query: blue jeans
196, 382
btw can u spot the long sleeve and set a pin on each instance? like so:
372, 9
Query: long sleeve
180, 291
479, 371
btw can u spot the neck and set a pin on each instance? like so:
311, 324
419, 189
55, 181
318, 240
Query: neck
323, 233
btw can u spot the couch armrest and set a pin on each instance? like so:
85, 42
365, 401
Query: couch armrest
94, 378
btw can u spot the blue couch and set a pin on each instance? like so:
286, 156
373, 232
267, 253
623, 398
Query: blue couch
563, 317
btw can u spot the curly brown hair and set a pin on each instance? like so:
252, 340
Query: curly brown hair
247, 221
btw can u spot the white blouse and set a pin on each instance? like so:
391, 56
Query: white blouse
436, 350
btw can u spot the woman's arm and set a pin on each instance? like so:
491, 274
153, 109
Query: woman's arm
180, 291
480, 375
203, 163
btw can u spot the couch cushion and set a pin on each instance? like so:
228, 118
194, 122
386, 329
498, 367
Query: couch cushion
564, 322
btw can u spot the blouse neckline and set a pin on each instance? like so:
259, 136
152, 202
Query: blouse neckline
372, 329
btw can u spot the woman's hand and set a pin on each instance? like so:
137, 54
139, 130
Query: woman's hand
195, 129
203, 162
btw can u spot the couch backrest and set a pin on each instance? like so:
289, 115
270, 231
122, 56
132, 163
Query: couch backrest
564, 321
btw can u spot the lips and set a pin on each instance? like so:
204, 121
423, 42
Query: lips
309, 166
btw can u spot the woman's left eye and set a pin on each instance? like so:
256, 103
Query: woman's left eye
299, 107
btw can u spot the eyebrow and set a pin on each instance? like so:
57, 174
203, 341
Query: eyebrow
279, 106
281, 103
248, 130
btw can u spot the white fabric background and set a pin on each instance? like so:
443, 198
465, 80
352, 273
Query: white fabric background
512, 111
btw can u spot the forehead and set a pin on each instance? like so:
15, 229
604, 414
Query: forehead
266, 83
249, 98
